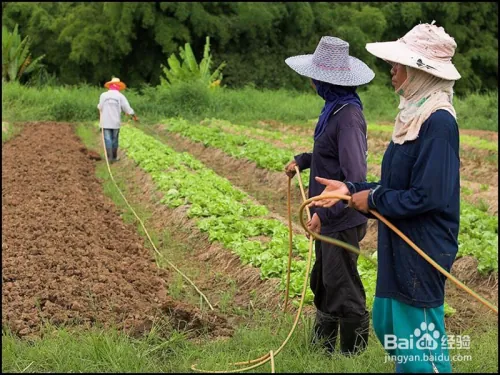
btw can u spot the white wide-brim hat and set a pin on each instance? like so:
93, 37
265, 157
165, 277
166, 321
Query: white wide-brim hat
425, 47
331, 63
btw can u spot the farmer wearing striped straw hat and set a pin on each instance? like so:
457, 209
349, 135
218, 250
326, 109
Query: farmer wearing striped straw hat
111, 104
419, 192
339, 152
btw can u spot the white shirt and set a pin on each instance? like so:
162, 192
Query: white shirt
111, 104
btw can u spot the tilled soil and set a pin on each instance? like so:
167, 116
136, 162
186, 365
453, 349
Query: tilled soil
67, 257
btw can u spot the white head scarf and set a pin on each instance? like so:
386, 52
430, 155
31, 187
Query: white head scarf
420, 95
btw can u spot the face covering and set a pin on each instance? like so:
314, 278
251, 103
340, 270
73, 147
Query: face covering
333, 95
421, 95
114, 86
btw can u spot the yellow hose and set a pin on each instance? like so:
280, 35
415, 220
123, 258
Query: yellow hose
399, 233
271, 354
268, 357
144, 228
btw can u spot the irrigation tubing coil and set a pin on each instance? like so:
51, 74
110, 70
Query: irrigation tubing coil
270, 356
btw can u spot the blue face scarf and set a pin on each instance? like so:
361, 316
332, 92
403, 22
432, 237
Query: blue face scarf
333, 96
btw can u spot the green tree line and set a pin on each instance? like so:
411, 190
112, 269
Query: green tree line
88, 42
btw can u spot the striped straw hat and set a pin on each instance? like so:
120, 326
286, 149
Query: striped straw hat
331, 63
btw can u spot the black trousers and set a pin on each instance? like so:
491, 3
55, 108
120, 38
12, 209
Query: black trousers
335, 282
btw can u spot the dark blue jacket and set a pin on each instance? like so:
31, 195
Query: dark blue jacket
339, 154
419, 193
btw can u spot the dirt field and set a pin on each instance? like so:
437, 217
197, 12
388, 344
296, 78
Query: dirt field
67, 256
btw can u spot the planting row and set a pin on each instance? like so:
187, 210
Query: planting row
239, 146
478, 237
478, 230
291, 141
469, 140
225, 213
228, 215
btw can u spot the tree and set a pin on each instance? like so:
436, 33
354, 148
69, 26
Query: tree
91, 41
16, 57
189, 70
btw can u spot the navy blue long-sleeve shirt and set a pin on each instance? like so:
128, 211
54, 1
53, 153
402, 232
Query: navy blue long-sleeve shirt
419, 192
339, 154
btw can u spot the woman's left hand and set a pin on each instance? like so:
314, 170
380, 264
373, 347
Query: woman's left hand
359, 201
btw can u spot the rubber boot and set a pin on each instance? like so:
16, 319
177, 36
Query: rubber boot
109, 152
326, 329
354, 334
115, 154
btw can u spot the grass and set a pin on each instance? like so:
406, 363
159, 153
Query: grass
469, 140
195, 102
9, 131
63, 350
479, 143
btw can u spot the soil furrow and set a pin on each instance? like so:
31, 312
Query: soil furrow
67, 257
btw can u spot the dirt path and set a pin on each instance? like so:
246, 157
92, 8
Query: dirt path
67, 257
216, 270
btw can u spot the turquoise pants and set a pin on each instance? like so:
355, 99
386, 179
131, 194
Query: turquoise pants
414, 337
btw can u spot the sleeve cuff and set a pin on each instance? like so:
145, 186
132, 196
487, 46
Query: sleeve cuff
372, 197
351, 187
298, 160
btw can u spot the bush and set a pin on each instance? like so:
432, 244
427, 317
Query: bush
195, 101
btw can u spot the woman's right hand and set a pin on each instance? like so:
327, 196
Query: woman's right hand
332, 186
290, 169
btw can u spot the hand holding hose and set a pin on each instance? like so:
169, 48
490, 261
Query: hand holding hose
290, 169
332, 187
314, 225
359, 201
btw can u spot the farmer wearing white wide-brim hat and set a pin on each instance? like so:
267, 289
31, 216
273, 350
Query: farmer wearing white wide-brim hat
419, 192
111, 104
339, 152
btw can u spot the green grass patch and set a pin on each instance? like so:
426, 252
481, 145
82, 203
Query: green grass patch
479, 143
9, 131
95, 350
196, 102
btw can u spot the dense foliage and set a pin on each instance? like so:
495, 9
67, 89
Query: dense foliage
16, 57
91, 41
